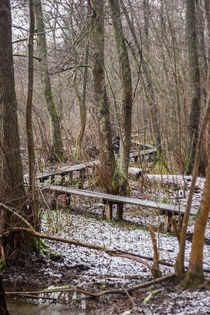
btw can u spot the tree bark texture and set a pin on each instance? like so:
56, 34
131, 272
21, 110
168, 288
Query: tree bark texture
194, 116
106, 151
3, 306
179, 266
150, 95
12, 186
121, 175
207, 8
195, 274
12, 190
55, 133
29, 126
82, 103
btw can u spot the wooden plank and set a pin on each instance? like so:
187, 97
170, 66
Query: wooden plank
142, 144
135, 172
63, 170
143, 152
176, 209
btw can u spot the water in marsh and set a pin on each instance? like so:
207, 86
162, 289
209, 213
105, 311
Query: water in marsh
17, 307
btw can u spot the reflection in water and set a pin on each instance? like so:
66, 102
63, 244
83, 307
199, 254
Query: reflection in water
17, 307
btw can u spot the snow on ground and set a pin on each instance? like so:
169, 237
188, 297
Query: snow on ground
110, 235
135, 239
182, 185
98, 271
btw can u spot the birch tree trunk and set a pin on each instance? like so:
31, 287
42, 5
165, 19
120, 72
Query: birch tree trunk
55, 133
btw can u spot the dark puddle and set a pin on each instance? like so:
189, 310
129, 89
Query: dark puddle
47, 304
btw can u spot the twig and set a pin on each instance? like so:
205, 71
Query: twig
130, 298
19, 55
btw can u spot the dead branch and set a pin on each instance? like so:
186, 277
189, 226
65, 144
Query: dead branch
25, 222
76, 243
97, 294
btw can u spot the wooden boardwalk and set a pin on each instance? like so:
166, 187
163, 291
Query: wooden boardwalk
149, 154
109, 200
64, 171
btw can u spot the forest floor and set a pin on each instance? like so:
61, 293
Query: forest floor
95, 271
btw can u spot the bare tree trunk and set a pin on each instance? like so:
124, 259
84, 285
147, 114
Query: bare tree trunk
55, 133
29, 125
3, 306
179, 266
150, 96
207, 7
194, 116
106, 149
82, 100
195, 274
12, 186
121, 175
203, 65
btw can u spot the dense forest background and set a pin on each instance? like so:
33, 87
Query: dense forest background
157, 43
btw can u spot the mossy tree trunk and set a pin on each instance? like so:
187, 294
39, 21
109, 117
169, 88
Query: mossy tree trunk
55, 133
12, 186
194, 73
12, 192
120, 181
106, 148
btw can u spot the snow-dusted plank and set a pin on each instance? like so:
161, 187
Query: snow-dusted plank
176, 209
63, 170
142, 144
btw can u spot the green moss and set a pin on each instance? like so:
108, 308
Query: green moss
156, 273
33, 243
3, 264
55, 256
192, 280
188, 164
